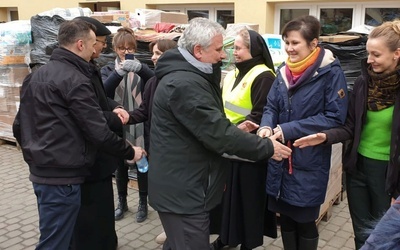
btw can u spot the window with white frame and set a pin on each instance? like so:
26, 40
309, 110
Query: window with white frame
12, 14
223, 14
336, 19
288, 14
376, 16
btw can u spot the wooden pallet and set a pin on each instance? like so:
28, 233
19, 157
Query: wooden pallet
9, 140
327, 213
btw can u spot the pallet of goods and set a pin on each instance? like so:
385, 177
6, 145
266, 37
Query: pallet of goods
15, 41
334, 191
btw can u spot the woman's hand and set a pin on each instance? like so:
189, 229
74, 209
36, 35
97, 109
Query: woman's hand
310, 140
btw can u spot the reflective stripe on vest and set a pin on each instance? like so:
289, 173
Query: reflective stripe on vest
237, 101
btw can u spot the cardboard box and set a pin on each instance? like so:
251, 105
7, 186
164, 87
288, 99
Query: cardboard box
9, 104
9, 100
11, 59
11, 78
148, 17
6, 129
337, 38
121, 17
13, 75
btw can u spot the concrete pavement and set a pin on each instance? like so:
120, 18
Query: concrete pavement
19, 217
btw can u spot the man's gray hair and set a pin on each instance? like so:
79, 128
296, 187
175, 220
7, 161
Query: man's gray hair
199, 32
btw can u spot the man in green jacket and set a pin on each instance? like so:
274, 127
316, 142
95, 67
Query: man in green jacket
189, 135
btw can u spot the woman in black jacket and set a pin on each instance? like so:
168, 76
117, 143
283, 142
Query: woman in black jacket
143, 113
131, 74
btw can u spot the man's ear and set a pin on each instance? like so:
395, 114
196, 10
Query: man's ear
79, 45
197, 52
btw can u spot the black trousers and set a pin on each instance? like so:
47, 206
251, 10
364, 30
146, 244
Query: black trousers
366, 195
95, 225
243, 215
186, 231
121, 178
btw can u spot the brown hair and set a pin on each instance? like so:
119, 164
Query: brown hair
308, 26
163, 45
70, 31
390, 31
124, 36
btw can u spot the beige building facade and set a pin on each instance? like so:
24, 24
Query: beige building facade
269, 15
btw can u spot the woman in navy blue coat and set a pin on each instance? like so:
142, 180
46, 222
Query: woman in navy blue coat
308, 95
372, 128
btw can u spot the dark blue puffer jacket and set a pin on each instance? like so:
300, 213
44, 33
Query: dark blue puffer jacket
316, 105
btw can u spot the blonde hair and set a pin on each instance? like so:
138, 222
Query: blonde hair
390, 31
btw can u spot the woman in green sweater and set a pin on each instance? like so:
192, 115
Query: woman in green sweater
372, 126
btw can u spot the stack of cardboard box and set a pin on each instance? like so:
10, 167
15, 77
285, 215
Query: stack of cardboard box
15, 40
142, 18
118, 17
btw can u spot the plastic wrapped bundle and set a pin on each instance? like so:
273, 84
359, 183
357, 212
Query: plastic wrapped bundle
44, 34
350, 53
67, 14
15, 41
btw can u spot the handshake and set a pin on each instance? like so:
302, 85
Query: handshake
129, 66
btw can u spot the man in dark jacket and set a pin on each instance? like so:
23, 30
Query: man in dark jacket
60, 127
189, 135
95, 225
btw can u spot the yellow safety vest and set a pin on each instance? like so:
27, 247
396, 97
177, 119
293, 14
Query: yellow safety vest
237, 101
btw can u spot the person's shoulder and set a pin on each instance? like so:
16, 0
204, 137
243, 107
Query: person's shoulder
267, 74
108, 66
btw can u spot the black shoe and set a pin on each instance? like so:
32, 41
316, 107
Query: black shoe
122, 207
141, 214
217, 244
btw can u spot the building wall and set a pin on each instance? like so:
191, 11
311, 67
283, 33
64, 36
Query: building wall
3, 15
27, 9
261, 12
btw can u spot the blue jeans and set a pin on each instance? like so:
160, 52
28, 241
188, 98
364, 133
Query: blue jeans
58, 209
386, 233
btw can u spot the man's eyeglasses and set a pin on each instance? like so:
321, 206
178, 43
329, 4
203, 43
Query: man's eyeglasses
104, 42
129, 50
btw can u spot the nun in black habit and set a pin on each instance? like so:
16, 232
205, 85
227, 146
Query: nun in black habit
242, 218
